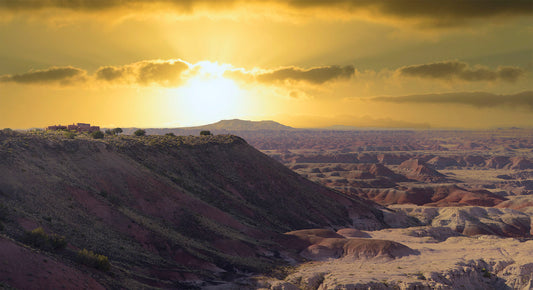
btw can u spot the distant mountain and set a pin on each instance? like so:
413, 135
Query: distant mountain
242, 125
235, 126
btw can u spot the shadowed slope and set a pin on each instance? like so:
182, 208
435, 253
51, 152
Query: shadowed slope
164, 209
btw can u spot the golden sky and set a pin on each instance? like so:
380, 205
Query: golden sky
174, 63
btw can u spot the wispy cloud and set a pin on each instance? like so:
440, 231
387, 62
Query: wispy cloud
448, 70
477, 99
316, 75
158, 72
61, 75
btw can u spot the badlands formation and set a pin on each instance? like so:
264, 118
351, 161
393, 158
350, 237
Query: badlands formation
343, 210
460, 204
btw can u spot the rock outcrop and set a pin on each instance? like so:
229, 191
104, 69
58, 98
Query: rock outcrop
418, 170
322, 245
473, 220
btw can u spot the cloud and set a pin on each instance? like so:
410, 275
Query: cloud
159, 72
436, 13
317, 75
150, 72
62, 75
110, 73
167, 72
448, 70
476, 99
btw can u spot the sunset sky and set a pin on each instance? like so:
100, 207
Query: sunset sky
304, 63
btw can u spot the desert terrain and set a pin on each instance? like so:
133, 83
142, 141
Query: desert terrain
153, 211
469, 192
304, 209
460, 201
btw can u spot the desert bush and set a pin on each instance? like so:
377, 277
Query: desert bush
170, 134
8, 132
116, 131
97, 135
70, 134
486, 273
139, 132
420, 276
205, 133
38, 238
57, 242
91, 259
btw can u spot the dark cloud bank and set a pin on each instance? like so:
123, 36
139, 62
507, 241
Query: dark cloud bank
477, 99
445, 12
459, 70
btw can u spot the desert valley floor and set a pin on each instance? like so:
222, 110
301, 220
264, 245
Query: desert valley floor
470, 192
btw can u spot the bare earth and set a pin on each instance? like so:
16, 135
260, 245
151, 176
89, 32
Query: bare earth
481, 262
404, 210
461, 201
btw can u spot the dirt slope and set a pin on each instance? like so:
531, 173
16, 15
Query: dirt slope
165, 210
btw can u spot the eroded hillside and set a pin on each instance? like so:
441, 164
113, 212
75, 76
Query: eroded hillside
167, 211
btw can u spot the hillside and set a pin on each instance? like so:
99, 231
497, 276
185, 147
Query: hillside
165, 210
235, 126
243, 125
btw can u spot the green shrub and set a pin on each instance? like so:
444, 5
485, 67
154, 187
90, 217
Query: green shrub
57, 242
70, 134
39, 239
139, 132
91, 259
486, 273
116, 131
205, 133
170, 134
97, 135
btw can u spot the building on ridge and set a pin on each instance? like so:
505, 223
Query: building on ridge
79, 127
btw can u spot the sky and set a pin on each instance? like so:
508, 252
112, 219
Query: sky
304, 63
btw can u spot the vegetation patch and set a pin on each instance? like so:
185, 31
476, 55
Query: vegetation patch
140, 132
97, 135
38, 238
70, 134
486, 273
420, 276
91, 259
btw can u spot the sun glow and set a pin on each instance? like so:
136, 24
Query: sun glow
208, 96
